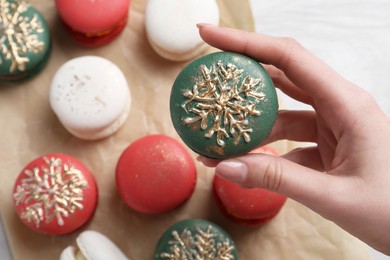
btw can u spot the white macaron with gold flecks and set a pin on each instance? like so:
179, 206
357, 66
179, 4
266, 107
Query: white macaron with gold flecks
171, 26
91, 97
92, 245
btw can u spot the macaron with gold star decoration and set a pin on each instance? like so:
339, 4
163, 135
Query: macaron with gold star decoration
55, 194
195, 239
223, 105
25, 43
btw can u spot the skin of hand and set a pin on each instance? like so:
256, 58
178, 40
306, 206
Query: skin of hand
345, 176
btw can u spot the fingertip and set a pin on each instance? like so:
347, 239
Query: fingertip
232, 170
205, 25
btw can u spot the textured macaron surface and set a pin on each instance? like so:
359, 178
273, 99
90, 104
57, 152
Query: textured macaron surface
223, 105
248, 206
55, 194
92, 16
25, 42
252, 204
89, 92
195, 239
171, 24
155, 174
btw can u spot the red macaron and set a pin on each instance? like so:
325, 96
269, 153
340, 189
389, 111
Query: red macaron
93, 23
55, 194
247, 206
155, 174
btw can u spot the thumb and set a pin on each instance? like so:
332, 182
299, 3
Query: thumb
305, 185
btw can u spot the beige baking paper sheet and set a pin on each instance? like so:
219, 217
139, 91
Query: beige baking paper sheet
29, 129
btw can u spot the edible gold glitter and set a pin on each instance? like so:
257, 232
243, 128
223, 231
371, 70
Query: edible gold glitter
53, 191
219, 95
18, 34
201, 245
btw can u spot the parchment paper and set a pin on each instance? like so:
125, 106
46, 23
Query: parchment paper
29, 129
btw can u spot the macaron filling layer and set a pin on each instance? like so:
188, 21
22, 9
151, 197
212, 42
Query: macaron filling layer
91, 97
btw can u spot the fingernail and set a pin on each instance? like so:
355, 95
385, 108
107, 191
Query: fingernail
200, 25
232, 170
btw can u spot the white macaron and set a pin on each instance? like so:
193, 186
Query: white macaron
91, 97
92, 245
171, 26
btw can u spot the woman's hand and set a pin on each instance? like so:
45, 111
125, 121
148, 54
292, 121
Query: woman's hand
345, 177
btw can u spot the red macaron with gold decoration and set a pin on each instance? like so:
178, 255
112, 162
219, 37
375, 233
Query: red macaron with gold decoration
93, 23
55, 194
155, 174
247, 206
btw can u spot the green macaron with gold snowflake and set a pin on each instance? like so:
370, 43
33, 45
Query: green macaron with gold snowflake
25, 42
223, 105
195, 239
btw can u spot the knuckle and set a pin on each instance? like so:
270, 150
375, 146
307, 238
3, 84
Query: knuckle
289, 49
290, 43
272, 176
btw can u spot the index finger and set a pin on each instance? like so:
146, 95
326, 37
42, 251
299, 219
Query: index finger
305, 70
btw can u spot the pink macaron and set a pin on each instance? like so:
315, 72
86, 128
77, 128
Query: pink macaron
93, 22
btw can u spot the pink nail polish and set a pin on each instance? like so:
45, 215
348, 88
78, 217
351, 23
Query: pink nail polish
200, 25
232, 170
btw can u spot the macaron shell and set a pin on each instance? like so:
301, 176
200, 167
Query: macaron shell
155, 174
55, 194
195, 239
248, 206
69, 253
28, 46
96, 246
89, 94
223, 105
171, 24
92, 16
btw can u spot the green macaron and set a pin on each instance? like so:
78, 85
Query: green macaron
223, 105
25, 42
195, 239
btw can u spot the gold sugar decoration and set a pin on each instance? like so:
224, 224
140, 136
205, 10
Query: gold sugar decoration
52, 192
201, 245
219, 96
18, 34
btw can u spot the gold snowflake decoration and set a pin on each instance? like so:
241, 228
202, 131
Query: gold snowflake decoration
219, 95
198, 246
51, 192
18, 34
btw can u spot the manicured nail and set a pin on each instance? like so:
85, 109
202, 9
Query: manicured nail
232, 170
200, 25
